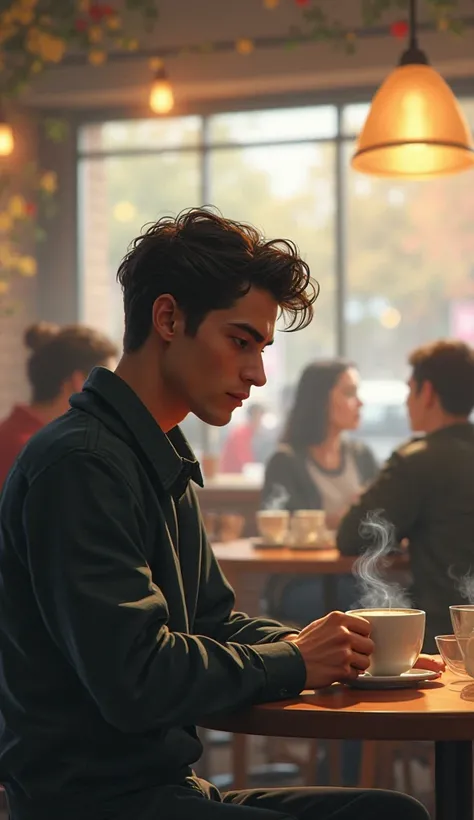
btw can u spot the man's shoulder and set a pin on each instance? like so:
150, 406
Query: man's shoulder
413, 449
75, 434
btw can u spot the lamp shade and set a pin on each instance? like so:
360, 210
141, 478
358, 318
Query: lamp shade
161, 96
415, 128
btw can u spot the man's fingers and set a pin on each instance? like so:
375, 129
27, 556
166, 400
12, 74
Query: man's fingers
360, 662
360, 643
357, 624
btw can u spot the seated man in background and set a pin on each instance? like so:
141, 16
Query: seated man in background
426, 488
60, 361
117, 629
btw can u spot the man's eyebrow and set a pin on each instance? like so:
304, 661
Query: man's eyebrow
252, 331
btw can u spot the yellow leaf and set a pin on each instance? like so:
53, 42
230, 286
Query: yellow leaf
49, 182
23, 16
95, 34
4, 287
132, 44
113, 22
27, 266
17, 206
5, 222
97, 57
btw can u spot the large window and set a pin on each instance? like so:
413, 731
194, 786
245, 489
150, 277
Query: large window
395, 260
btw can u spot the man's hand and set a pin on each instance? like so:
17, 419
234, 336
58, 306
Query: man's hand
334, 648
434, 663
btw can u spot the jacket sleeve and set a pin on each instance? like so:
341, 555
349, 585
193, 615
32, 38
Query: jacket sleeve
396, 494
280, 488
216, 616
109, 619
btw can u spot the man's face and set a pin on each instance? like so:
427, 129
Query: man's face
212, 373
419, 400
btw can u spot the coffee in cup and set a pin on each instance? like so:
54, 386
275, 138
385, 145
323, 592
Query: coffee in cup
398, 636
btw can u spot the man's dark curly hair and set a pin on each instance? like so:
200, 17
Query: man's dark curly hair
206, 263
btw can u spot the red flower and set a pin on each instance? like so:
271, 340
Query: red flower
96, 13
107, 11
399, 29
80, 25
31, 208
302, 2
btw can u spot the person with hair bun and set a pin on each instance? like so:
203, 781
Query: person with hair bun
59, 362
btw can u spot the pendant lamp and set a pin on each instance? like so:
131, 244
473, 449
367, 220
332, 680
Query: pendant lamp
415, 128
161, 93
7, 141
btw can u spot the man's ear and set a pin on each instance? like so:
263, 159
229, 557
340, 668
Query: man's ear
167, 317
430, 396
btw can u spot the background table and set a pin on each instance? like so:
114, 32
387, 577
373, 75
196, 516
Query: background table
441, 711
241, 557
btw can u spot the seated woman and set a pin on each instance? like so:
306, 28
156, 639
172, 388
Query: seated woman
317, 467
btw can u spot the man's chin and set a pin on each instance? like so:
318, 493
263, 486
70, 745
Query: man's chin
214, 418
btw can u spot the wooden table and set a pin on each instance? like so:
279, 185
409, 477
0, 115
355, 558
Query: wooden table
441, 711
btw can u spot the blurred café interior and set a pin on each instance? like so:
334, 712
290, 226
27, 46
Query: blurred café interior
115, 114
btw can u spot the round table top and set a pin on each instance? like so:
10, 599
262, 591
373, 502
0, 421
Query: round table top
245, 555
439, 710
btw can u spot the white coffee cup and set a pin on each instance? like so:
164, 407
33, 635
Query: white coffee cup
398, 637
273, 525
307, 526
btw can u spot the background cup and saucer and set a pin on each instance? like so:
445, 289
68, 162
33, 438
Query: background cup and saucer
398, 636
308, 530
272, 526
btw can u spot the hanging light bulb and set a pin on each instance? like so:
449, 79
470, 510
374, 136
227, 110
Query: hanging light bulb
415, 127
161, 93
7, 142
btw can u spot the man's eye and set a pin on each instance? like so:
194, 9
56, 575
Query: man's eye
241, 343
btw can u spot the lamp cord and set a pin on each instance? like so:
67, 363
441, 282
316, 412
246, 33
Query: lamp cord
413, 37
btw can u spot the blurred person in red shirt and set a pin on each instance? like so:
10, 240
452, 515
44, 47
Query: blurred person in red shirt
239, 446
60, 360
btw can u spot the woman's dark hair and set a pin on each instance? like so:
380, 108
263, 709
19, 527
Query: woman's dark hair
449, 366
58, 352
206, 263
307, 421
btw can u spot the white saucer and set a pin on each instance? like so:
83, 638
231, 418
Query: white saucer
412, 678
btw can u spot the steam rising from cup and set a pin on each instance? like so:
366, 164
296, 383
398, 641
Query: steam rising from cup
465, 583
369, 568
278, 498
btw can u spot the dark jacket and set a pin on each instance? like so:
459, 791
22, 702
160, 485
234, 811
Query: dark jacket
426, 490
117, 629
287, 469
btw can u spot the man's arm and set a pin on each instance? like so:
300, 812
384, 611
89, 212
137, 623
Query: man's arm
215, 614
85, 533
396, 493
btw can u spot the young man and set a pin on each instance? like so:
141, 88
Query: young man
117, 629
426, 488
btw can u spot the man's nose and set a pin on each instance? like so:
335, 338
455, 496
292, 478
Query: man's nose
255, 373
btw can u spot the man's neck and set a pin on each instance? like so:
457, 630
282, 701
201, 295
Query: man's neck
147, 382
442, 420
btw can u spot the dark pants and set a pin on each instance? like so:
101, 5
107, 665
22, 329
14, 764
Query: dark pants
199, 800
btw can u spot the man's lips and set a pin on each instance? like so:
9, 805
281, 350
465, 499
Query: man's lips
238, 398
